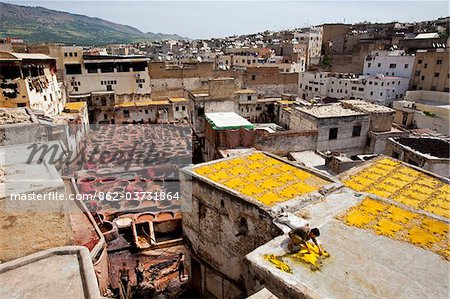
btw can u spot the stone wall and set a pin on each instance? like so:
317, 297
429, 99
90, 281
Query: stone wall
220, 229
283, 142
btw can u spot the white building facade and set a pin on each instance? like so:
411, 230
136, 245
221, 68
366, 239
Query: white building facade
383, 90
389, 63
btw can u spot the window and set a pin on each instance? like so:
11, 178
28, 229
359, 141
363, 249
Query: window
406, 65
423, 78
253, 77
368, 141
425, 65
73, 69
140, 85
139, 66
70, 54
75, 54
183, 108
249, 98
109, 88
436, 75
107, 67
371, 93
91, 67
333, 134
103, 100
369, 64
65, 54
356, 131
439, 61
146, 111
379, 65
126, 113
105, 116
177, 108
392, 65
417, 73
419, 61
200, 111
45, 98
360, 89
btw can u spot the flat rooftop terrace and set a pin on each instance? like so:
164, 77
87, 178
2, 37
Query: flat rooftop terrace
428, 146
60, 272
260, 177
374, 260
327, 111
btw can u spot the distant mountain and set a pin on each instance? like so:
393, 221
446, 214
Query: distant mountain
38, 24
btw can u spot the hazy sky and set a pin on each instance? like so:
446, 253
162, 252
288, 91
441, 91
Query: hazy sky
203, 19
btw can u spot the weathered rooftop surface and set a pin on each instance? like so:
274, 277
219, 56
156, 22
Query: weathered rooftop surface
366, 107
13, 116
389, 178
227, 121
63, 272
429, 146
261, 177
378, 248
326, 111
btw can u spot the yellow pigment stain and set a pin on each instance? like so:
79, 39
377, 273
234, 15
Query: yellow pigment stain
435, 226
400, 224
262, 178
400, 215
421, 237
372, 206
358, 218
278, 262
312, 258
387, 228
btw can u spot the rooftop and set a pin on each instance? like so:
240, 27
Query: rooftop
429, 146
260, 177
245, 91
14, 116
227, 121
24, 56
366, 107
74, 106
62, 270
327, 111
401, 183
375, 248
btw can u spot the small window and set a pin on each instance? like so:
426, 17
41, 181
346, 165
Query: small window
356, 131
177, 108
126, 113
200, 111
379, 65
75, 54
249, 98
425, 65
436, 75
65, 54
392, 65
406, 65
369, 64
333, 134
146, 111
419, 61
253, 77
439, 61
70, 54
183, 108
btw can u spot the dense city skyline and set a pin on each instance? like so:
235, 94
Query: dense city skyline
202, 19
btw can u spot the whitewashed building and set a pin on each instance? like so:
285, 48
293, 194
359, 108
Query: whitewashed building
389, 63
